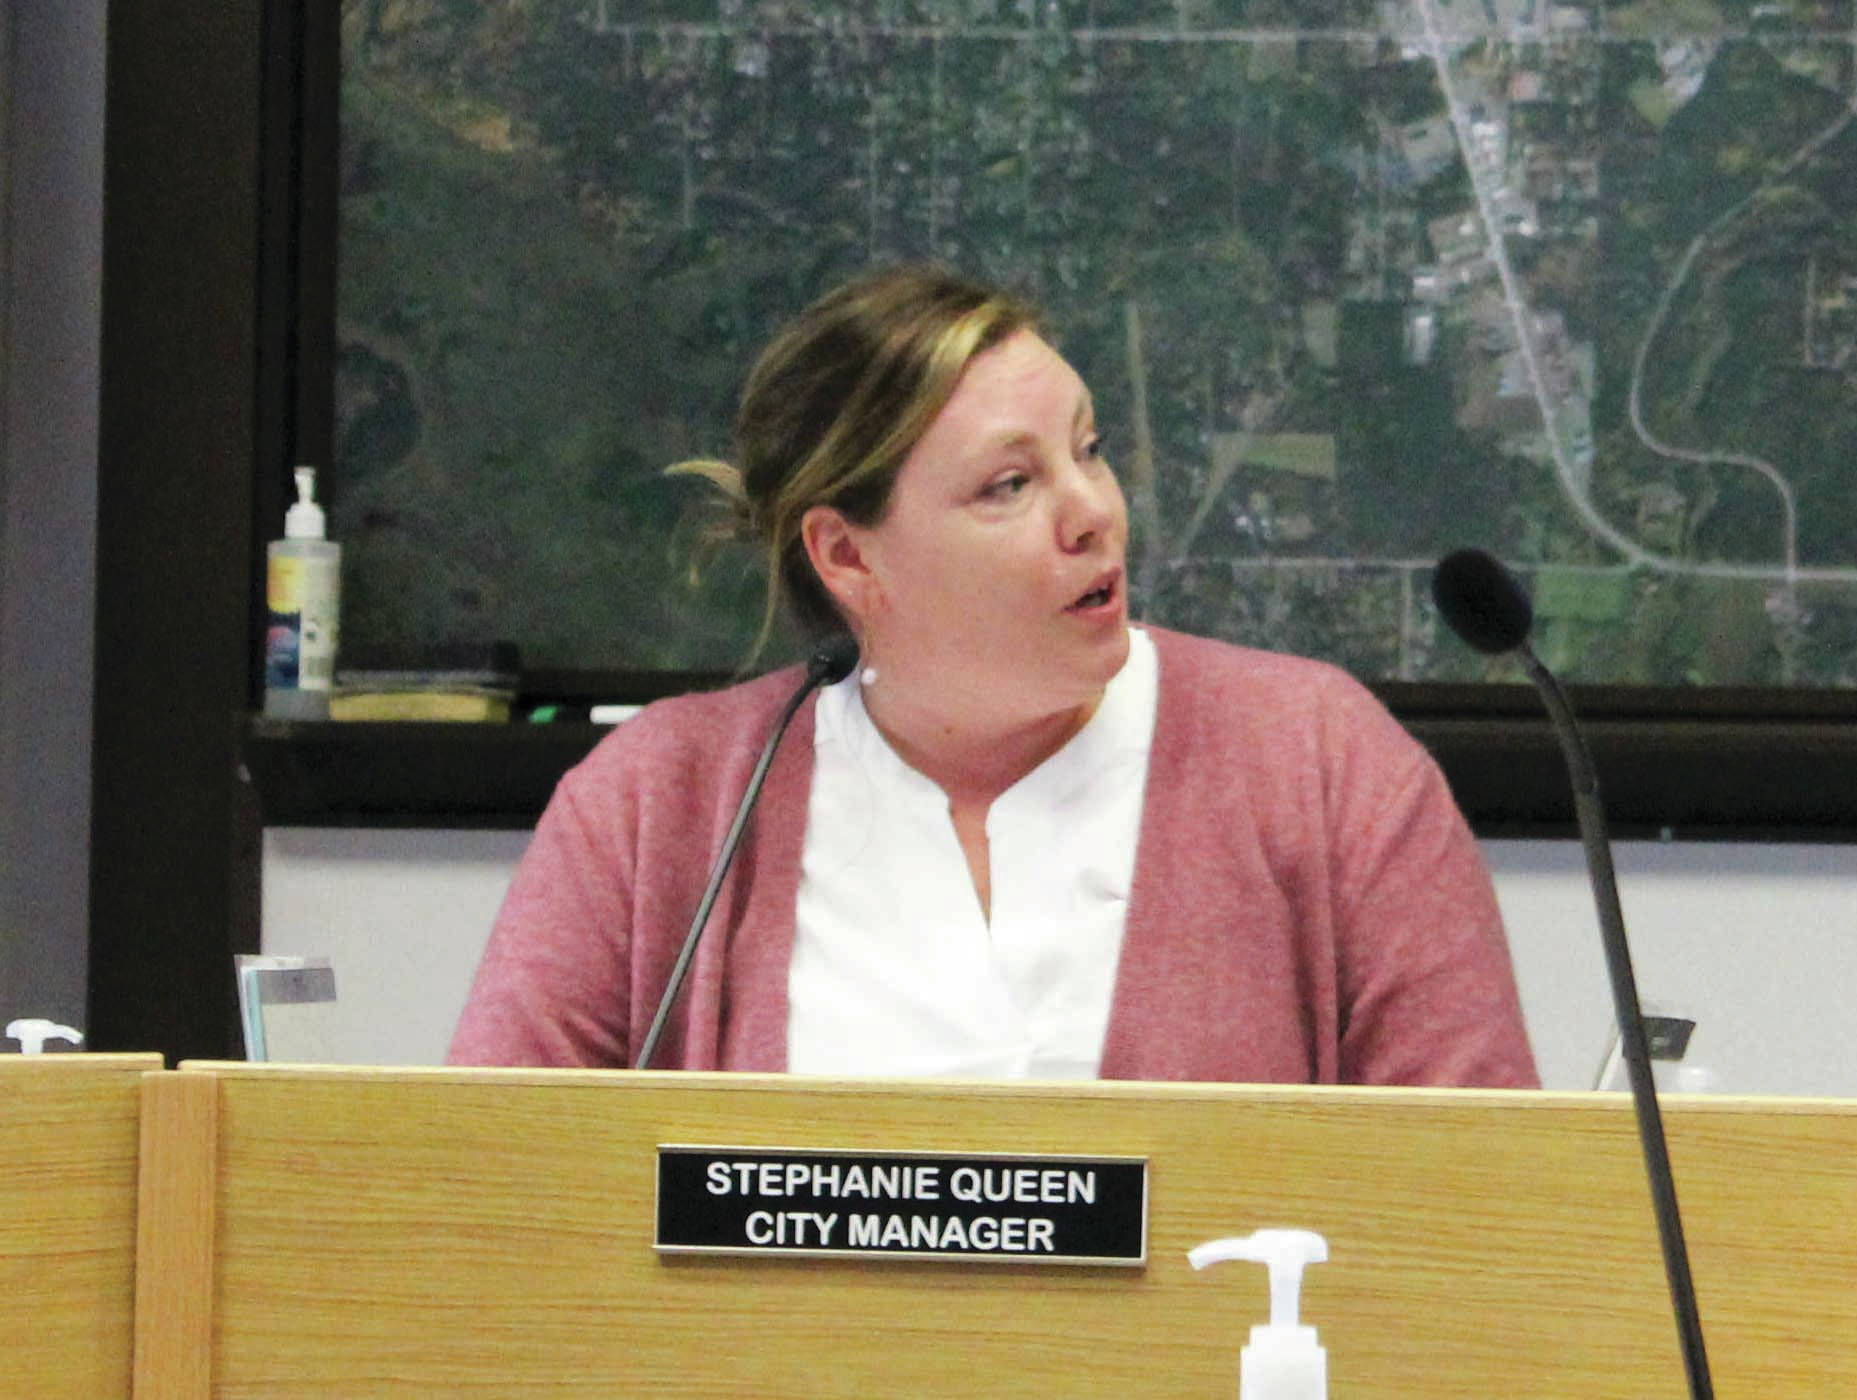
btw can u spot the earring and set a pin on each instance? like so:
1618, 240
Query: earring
868, 676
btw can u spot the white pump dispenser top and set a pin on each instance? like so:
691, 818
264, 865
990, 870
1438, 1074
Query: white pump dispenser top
1283, 1360
33, 1031
304, 520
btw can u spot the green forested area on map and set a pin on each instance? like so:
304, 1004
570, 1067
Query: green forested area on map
566, 228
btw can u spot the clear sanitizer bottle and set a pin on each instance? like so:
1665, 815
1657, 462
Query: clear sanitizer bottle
303, 590
1283, 1360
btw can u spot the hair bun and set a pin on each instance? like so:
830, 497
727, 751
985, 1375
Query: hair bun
726, 478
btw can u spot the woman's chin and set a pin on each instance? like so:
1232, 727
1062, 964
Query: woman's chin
1080, 678
1110, 652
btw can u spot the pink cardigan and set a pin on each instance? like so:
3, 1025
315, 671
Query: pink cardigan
1307, 907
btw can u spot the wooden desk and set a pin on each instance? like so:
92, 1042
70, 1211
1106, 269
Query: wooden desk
454, 1232
69, 1128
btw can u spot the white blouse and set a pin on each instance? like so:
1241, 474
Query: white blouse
896, 971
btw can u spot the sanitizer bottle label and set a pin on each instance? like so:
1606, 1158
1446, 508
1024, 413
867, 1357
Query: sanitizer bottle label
303, 602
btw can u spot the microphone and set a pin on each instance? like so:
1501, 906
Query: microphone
1485, 606
1482, 601
829, 663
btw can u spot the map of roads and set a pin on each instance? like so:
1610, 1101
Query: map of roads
1353, 284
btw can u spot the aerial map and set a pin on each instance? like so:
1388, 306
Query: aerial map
1353, 284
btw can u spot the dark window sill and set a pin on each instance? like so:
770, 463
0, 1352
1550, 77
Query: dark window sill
409, 774
1715, 776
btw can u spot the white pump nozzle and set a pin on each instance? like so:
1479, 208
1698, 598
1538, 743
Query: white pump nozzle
1282, 1361
32, 1032
303, 521
1283, 1252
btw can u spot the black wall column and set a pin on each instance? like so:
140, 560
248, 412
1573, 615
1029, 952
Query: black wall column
197, 424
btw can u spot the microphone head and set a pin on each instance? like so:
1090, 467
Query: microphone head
832, 660
1482, 601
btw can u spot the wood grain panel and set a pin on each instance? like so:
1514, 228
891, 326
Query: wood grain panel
176, 1237
488, 1233
67, 1223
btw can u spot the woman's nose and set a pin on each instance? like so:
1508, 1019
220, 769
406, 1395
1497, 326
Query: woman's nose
1091, 507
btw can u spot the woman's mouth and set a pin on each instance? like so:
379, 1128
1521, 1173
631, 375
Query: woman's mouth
1098, 597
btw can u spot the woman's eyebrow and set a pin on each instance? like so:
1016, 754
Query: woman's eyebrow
1007, 438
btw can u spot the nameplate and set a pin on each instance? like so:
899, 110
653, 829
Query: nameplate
1011, 1209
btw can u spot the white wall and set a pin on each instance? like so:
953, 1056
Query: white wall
403, 917
1757, 942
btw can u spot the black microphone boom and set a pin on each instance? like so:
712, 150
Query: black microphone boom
1485, 606
829, 663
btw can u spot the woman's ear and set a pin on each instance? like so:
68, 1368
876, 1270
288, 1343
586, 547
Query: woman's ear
836, 549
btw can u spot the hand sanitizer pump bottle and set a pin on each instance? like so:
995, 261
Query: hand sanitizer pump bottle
303, 590
1282, 1360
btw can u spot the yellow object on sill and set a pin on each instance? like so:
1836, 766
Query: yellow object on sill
482, 706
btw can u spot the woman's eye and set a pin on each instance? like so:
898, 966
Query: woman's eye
1093, 449
1005, 487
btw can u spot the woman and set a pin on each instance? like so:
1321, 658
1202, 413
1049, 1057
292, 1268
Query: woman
1024, 839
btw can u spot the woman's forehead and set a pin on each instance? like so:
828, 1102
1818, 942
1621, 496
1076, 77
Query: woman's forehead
1023, 376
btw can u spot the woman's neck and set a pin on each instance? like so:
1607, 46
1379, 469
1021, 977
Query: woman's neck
972, 761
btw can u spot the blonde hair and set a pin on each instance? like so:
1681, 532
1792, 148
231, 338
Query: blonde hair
833, 406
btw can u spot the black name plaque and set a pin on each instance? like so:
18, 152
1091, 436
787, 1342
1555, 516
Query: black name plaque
984, 1208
